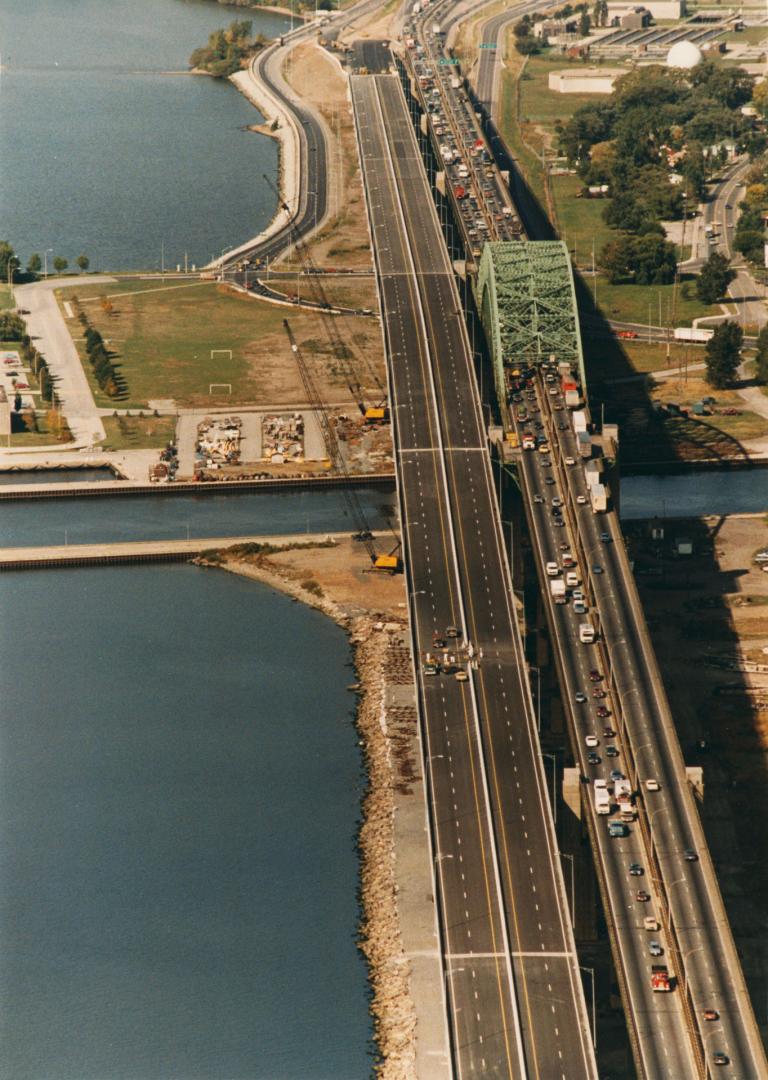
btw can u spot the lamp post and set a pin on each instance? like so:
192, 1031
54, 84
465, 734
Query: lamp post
45, 257
591, 972
538, 679
566, 855
553, 758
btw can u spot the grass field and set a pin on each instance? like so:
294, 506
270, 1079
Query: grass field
162, 337
138, 432
6, 297
639, 303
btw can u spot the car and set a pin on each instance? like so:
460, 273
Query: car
556, 511
557, 501
452, 631
711, 1014
595, 675
602, 712
579, 607
650, 924
517, 398
461, 675
608, 733
21, 385
581, 697
605, 537
654, 948
592, 740
569, 460
627, 335
720, 1059
651, 784
578, 594
549, 480
564, 547
597, 569
559, 522
593, 758
562, 427
558, 406
728, 206
690, 855
611, 751
598, 692
581, 499
642, 896
438, 642
546, 462
635, 869
616, 774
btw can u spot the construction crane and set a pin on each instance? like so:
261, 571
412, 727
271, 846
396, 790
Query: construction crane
391, 563
372, 414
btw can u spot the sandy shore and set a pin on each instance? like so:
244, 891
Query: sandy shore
372, 612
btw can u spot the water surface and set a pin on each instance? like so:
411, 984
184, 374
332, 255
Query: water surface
105, 153
179, 788
732, 491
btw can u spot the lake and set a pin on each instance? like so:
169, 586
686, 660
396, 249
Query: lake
107, 154
180, 785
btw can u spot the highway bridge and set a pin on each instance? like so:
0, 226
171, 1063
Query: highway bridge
514, 997
525, 293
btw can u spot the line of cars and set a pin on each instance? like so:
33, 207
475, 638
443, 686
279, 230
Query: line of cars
468, 164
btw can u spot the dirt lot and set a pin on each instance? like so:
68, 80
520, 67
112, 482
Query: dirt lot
706, 613
344, 241
343, 574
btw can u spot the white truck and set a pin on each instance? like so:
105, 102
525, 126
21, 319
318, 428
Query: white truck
579, 421
602, 800
455, 83
586, 633
693, 333
598, 498
572, 399
557, 590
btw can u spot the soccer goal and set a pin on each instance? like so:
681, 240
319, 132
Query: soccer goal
216, 386
226, 353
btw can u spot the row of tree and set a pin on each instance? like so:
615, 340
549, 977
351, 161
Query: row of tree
10, 264
100, 360
34, 359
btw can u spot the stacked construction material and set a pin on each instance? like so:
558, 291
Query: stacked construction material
218, 441
282, 438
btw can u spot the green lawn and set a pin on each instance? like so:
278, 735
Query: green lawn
138, 432
609, 358
580, 221
6, 298
527, 159
641, 303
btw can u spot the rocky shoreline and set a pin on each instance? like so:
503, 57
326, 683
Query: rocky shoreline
380, 939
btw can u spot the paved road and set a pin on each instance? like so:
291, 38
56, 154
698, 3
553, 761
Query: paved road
660, 1034
514, 993
49, 331
688, 901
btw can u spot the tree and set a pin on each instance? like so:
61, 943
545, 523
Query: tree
528, 46
760, 97
35, 264
715, 277
9, 263
723, 355
584, 24
761, 355
60, 264
83, 262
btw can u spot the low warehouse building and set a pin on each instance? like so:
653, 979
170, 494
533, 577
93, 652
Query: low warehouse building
584, 80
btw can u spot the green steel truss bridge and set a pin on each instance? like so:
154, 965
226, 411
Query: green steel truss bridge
527, 303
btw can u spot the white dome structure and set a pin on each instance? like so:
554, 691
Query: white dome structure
684, 54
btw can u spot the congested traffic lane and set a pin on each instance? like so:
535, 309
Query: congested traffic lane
685, 886
551, 1002
658, 1020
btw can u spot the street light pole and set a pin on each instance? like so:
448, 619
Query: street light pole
45, 271
565, 855
553, 758
594, 1022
